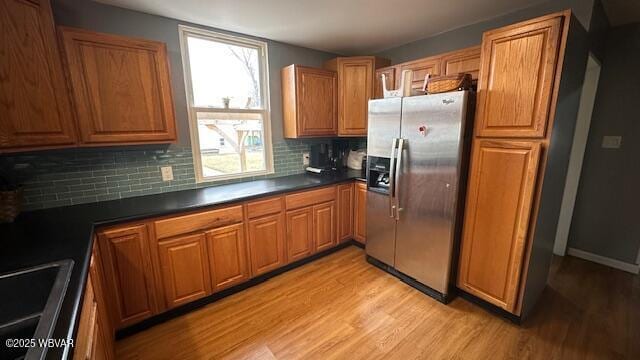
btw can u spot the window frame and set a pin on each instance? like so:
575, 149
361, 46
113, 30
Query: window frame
262, 46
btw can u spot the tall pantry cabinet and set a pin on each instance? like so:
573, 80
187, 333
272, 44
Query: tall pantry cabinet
518, 90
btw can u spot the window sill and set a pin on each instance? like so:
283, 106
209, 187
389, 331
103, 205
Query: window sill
212, 180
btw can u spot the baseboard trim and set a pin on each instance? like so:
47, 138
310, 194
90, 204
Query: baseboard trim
602, 260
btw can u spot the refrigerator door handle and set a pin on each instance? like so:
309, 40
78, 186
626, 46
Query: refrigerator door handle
392, 181
398, 166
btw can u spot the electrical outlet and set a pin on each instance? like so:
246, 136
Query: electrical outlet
611, 142
167, 173
305, 159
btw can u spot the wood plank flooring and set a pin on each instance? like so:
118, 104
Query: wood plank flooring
340, 307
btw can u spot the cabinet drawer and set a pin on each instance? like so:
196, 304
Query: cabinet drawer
311, 197
202, 220
264, 207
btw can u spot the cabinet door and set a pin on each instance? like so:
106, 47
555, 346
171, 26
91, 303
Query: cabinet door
106, 347
355, 88
34, 99
360, 216
345, 212
420, 69
317, 105
87, 325
299, 233
128, 274
227, 256
324, 226
501, 190
390, 74
101, 349
121, 88
266, 241
185, 269
517, 79
462, 61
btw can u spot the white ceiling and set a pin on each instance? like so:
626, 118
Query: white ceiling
344, 27
621, 12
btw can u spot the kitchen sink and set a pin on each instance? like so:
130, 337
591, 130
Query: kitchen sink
29, 306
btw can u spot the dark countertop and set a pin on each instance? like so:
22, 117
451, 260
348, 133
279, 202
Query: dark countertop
48, 235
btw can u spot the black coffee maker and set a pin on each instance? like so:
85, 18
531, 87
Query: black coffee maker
320, 156
340, 149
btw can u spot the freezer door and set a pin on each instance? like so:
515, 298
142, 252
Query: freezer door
381, 228
384, 125
432, 129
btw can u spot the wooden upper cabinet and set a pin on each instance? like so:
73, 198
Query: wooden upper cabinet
121, 88
345, 212
34, 98
309, 102
420, 68
299, 233
266, 241
390, 74
461, 61
128, 273
356, 82
227, 256
324, 226
517, 79
360, 213
499, 201
184, 267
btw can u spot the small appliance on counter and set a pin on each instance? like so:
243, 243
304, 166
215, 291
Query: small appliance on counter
319, 159
355, 159
340, 151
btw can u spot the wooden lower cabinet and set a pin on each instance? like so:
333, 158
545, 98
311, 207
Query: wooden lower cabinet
360, 213
227, 256
95, 335
128, 273
266, 241
164, 263
324, 226
345, 212
184, 267
499, 201
299, 233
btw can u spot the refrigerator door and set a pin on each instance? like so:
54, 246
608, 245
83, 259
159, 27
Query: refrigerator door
432, 129
384, 128
384, 125
381, 228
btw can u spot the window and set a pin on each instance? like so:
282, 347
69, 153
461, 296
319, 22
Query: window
228, 101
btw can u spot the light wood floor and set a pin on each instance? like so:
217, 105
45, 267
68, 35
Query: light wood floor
340, 307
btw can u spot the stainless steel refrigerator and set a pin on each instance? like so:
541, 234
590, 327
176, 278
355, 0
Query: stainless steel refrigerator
417, 151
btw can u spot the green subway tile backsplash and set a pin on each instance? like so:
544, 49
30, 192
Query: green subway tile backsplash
76, 176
